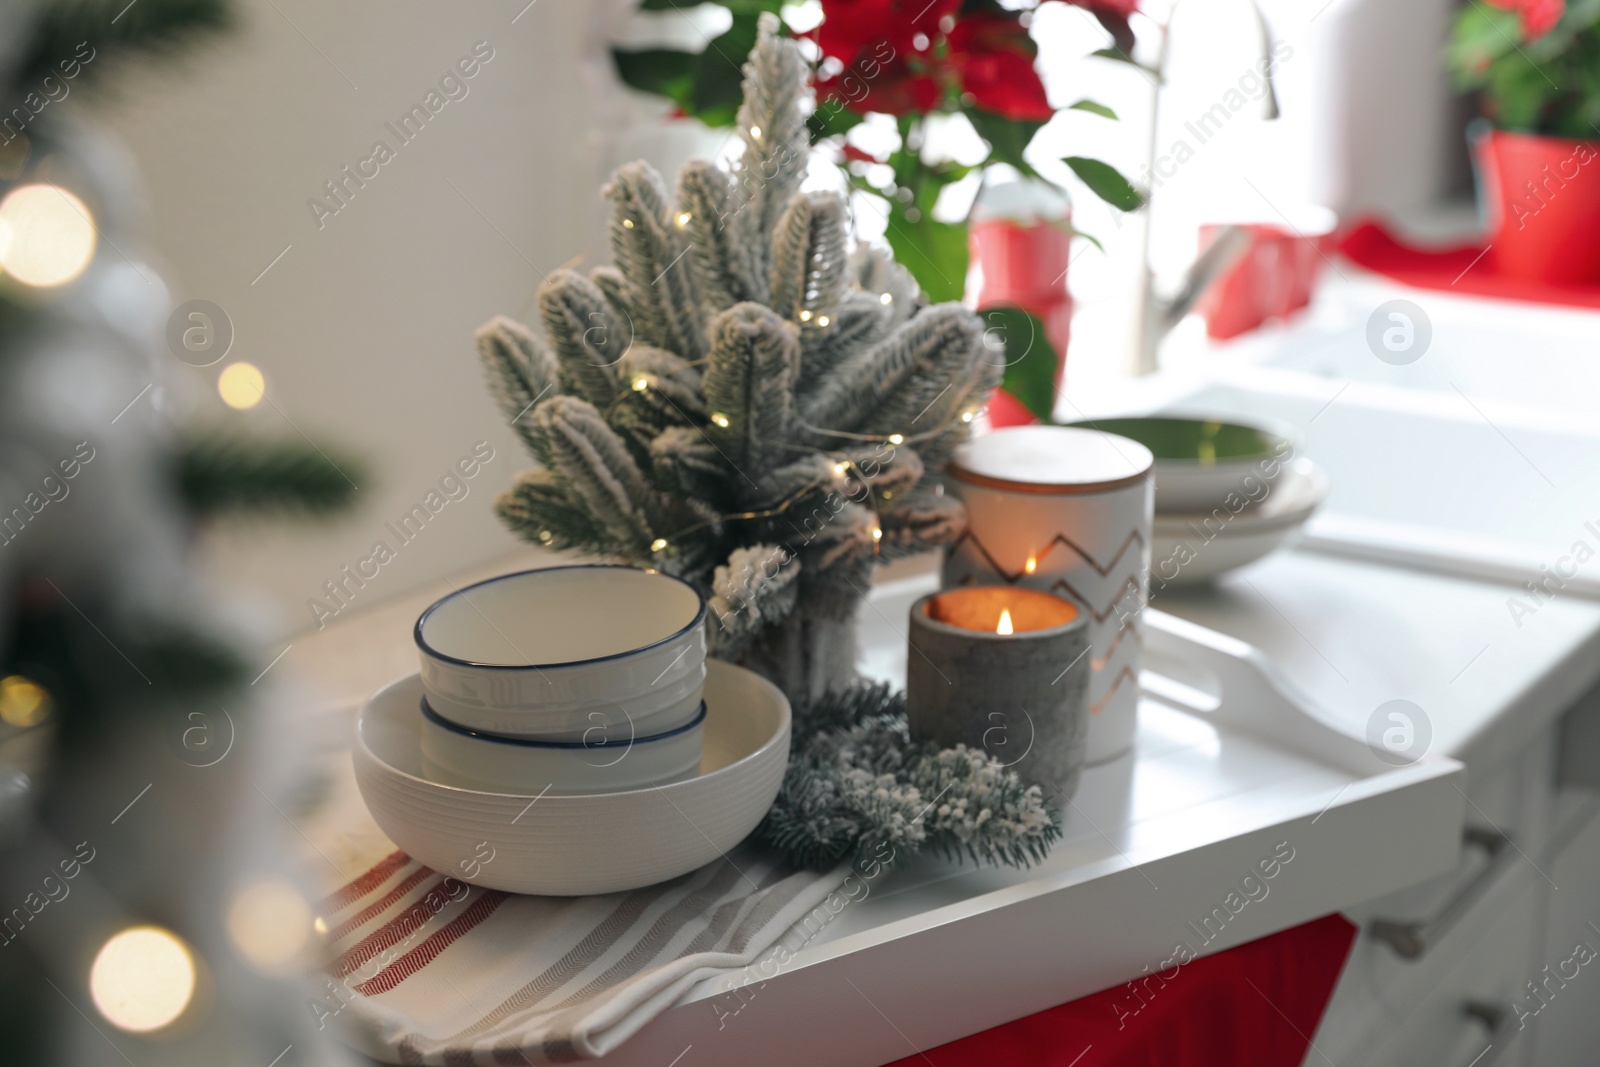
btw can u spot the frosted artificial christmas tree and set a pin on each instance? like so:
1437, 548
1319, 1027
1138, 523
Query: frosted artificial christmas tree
744, 402
740, 400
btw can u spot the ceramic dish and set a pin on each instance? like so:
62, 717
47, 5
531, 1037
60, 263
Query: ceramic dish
573, 845
1197, 547
552, 653
1200, 461
605, 761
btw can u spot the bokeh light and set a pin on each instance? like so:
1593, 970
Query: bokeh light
142, 978
241, 385
23, 701
46, 235
270, 924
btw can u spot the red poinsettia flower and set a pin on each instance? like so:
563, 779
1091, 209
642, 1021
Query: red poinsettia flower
1115, 7
851, 29
1538, 17
993, 56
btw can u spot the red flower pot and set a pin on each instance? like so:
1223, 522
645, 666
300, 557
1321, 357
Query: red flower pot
1542, 198
1025, 265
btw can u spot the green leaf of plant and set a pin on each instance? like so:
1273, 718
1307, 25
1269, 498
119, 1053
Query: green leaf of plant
829, 119
1123, 57
1007, 137
1093, 108
1106, 182
654, 70
718, 84
934, 252
1030, 360
1072, 230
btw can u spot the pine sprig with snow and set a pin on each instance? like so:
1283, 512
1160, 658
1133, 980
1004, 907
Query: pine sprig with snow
858, 787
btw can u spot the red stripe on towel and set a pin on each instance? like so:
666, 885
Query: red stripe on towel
423, 954
372, 911
353, 891
394, 932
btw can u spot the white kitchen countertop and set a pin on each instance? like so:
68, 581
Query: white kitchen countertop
1353, 635
1350, 634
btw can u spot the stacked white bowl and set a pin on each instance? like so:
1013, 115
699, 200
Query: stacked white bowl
566, 725
581, 679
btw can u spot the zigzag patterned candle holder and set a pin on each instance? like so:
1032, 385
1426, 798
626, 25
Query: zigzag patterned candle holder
1067, 511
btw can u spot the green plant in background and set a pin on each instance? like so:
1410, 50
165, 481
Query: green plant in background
1535, 62
913, 61
220, 471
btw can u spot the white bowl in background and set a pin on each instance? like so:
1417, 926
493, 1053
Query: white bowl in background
575, 845
1199, 546
552, 653
606, 760
1199, 461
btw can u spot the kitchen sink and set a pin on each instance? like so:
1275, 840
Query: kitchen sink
1480, 457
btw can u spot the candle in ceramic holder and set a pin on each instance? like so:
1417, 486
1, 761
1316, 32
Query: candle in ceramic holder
1067, 511
988, 667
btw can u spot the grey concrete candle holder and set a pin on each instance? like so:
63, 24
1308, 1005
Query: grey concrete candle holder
1021, 697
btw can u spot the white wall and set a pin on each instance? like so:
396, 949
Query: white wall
364, 327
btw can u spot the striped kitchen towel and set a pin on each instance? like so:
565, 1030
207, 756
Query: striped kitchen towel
427, 969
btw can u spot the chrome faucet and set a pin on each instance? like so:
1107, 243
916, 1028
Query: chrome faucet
1155, 316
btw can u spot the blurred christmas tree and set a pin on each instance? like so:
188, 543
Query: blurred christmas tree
134, 895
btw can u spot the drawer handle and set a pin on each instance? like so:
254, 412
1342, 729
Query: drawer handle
1496, 1020
1411, 939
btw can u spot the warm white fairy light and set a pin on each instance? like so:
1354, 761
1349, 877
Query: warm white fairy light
241, 385
822, 320
897, 439
270, 924
46, 235
658, 544
545, 537
966, 416
683, 218
886, 298
142, 978
805, 316
877, 533
641, 384
755, 131
840, 468
627, 224
720, 419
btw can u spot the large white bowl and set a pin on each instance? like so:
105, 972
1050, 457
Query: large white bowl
552, 653
574, 845
1197, 547
604, 761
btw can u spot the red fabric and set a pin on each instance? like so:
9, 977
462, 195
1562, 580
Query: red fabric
1462, 269
1252, 1006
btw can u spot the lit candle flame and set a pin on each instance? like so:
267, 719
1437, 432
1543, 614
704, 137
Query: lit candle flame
1005, 622
1030, 566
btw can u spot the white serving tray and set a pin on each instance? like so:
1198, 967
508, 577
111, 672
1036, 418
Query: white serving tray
1154, 841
